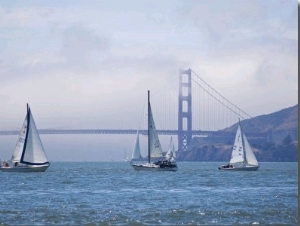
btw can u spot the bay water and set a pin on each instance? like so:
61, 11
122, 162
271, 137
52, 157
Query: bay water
112, 193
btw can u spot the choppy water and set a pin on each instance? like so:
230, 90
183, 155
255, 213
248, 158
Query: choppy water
114, 194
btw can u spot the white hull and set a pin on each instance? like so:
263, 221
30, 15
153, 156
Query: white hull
25, 169
240, 168
153, 167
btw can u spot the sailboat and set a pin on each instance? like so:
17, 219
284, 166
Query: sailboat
154, 149
126, 159
136, 154
173, 159
171, 154
29, 154
242, 156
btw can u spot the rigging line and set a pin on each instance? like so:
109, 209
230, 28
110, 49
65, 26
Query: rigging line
234, 111
221, 94
219, 100
142, 116
160, 94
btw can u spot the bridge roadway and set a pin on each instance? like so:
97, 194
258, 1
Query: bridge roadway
132, 131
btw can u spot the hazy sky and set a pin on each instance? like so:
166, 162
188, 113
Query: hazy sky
90, 63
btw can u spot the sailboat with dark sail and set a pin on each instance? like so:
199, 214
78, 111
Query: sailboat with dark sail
154, 149
29, 154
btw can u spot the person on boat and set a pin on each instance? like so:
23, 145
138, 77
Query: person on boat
16, 164
227, 166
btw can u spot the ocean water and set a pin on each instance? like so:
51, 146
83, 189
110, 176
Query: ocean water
112, 193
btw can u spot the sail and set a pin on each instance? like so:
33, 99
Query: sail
169, 152
155, 147
33, 151
173, 153
136, 151
250, 157
20, 143
237, 155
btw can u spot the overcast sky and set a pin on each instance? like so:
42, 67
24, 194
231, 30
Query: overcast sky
90, 63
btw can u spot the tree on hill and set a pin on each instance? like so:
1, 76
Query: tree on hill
288, 140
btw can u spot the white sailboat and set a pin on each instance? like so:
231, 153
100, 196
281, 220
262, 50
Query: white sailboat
136, 154
242, 156
29, 154
154, 149
173, 158
126, 159
171, 154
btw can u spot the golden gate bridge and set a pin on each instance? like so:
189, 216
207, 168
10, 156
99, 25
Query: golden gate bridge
201, 111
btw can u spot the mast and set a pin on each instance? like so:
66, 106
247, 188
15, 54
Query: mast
149, 109
26, 136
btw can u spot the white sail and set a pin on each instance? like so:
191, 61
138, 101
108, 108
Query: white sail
33, 152
250, 157
237, 155
170, 151
173, 159
155, 147
136, 151
16, 157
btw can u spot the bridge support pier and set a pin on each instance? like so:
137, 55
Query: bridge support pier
184, 110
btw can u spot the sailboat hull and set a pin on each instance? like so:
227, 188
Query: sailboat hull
154, 167
239, 168
25, 169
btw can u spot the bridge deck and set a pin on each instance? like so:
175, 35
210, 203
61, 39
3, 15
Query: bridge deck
130, 131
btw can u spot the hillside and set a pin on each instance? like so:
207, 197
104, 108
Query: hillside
283, 121
280, 127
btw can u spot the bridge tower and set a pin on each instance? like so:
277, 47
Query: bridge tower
184, 109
